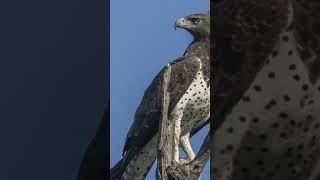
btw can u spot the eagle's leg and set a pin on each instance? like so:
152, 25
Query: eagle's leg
176, 138
186, 146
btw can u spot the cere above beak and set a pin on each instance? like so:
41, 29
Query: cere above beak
179, 23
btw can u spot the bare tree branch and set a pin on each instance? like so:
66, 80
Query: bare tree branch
165, 143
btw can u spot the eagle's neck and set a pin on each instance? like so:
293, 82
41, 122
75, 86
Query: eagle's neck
198, 47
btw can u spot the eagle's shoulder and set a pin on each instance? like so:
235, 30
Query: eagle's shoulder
248, 26
183, 73
306, 26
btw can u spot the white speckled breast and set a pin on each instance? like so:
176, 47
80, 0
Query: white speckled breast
273, 132
194, 104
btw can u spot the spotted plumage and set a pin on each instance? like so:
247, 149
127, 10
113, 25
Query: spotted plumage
266, 122
189, 104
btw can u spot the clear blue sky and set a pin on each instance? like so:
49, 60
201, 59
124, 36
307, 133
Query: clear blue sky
143, 40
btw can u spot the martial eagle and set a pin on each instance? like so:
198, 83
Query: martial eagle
189, 102
266, 124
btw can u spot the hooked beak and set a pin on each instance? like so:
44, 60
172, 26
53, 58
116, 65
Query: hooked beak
179, 23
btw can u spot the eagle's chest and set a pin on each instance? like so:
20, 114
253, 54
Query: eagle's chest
275, 126
281, 94
194, 105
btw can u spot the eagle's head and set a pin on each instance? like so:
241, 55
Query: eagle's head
197, 24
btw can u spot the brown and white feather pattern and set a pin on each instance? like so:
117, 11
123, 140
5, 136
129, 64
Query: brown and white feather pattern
272, 132
193, 105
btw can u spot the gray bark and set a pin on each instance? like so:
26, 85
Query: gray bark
165, 143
